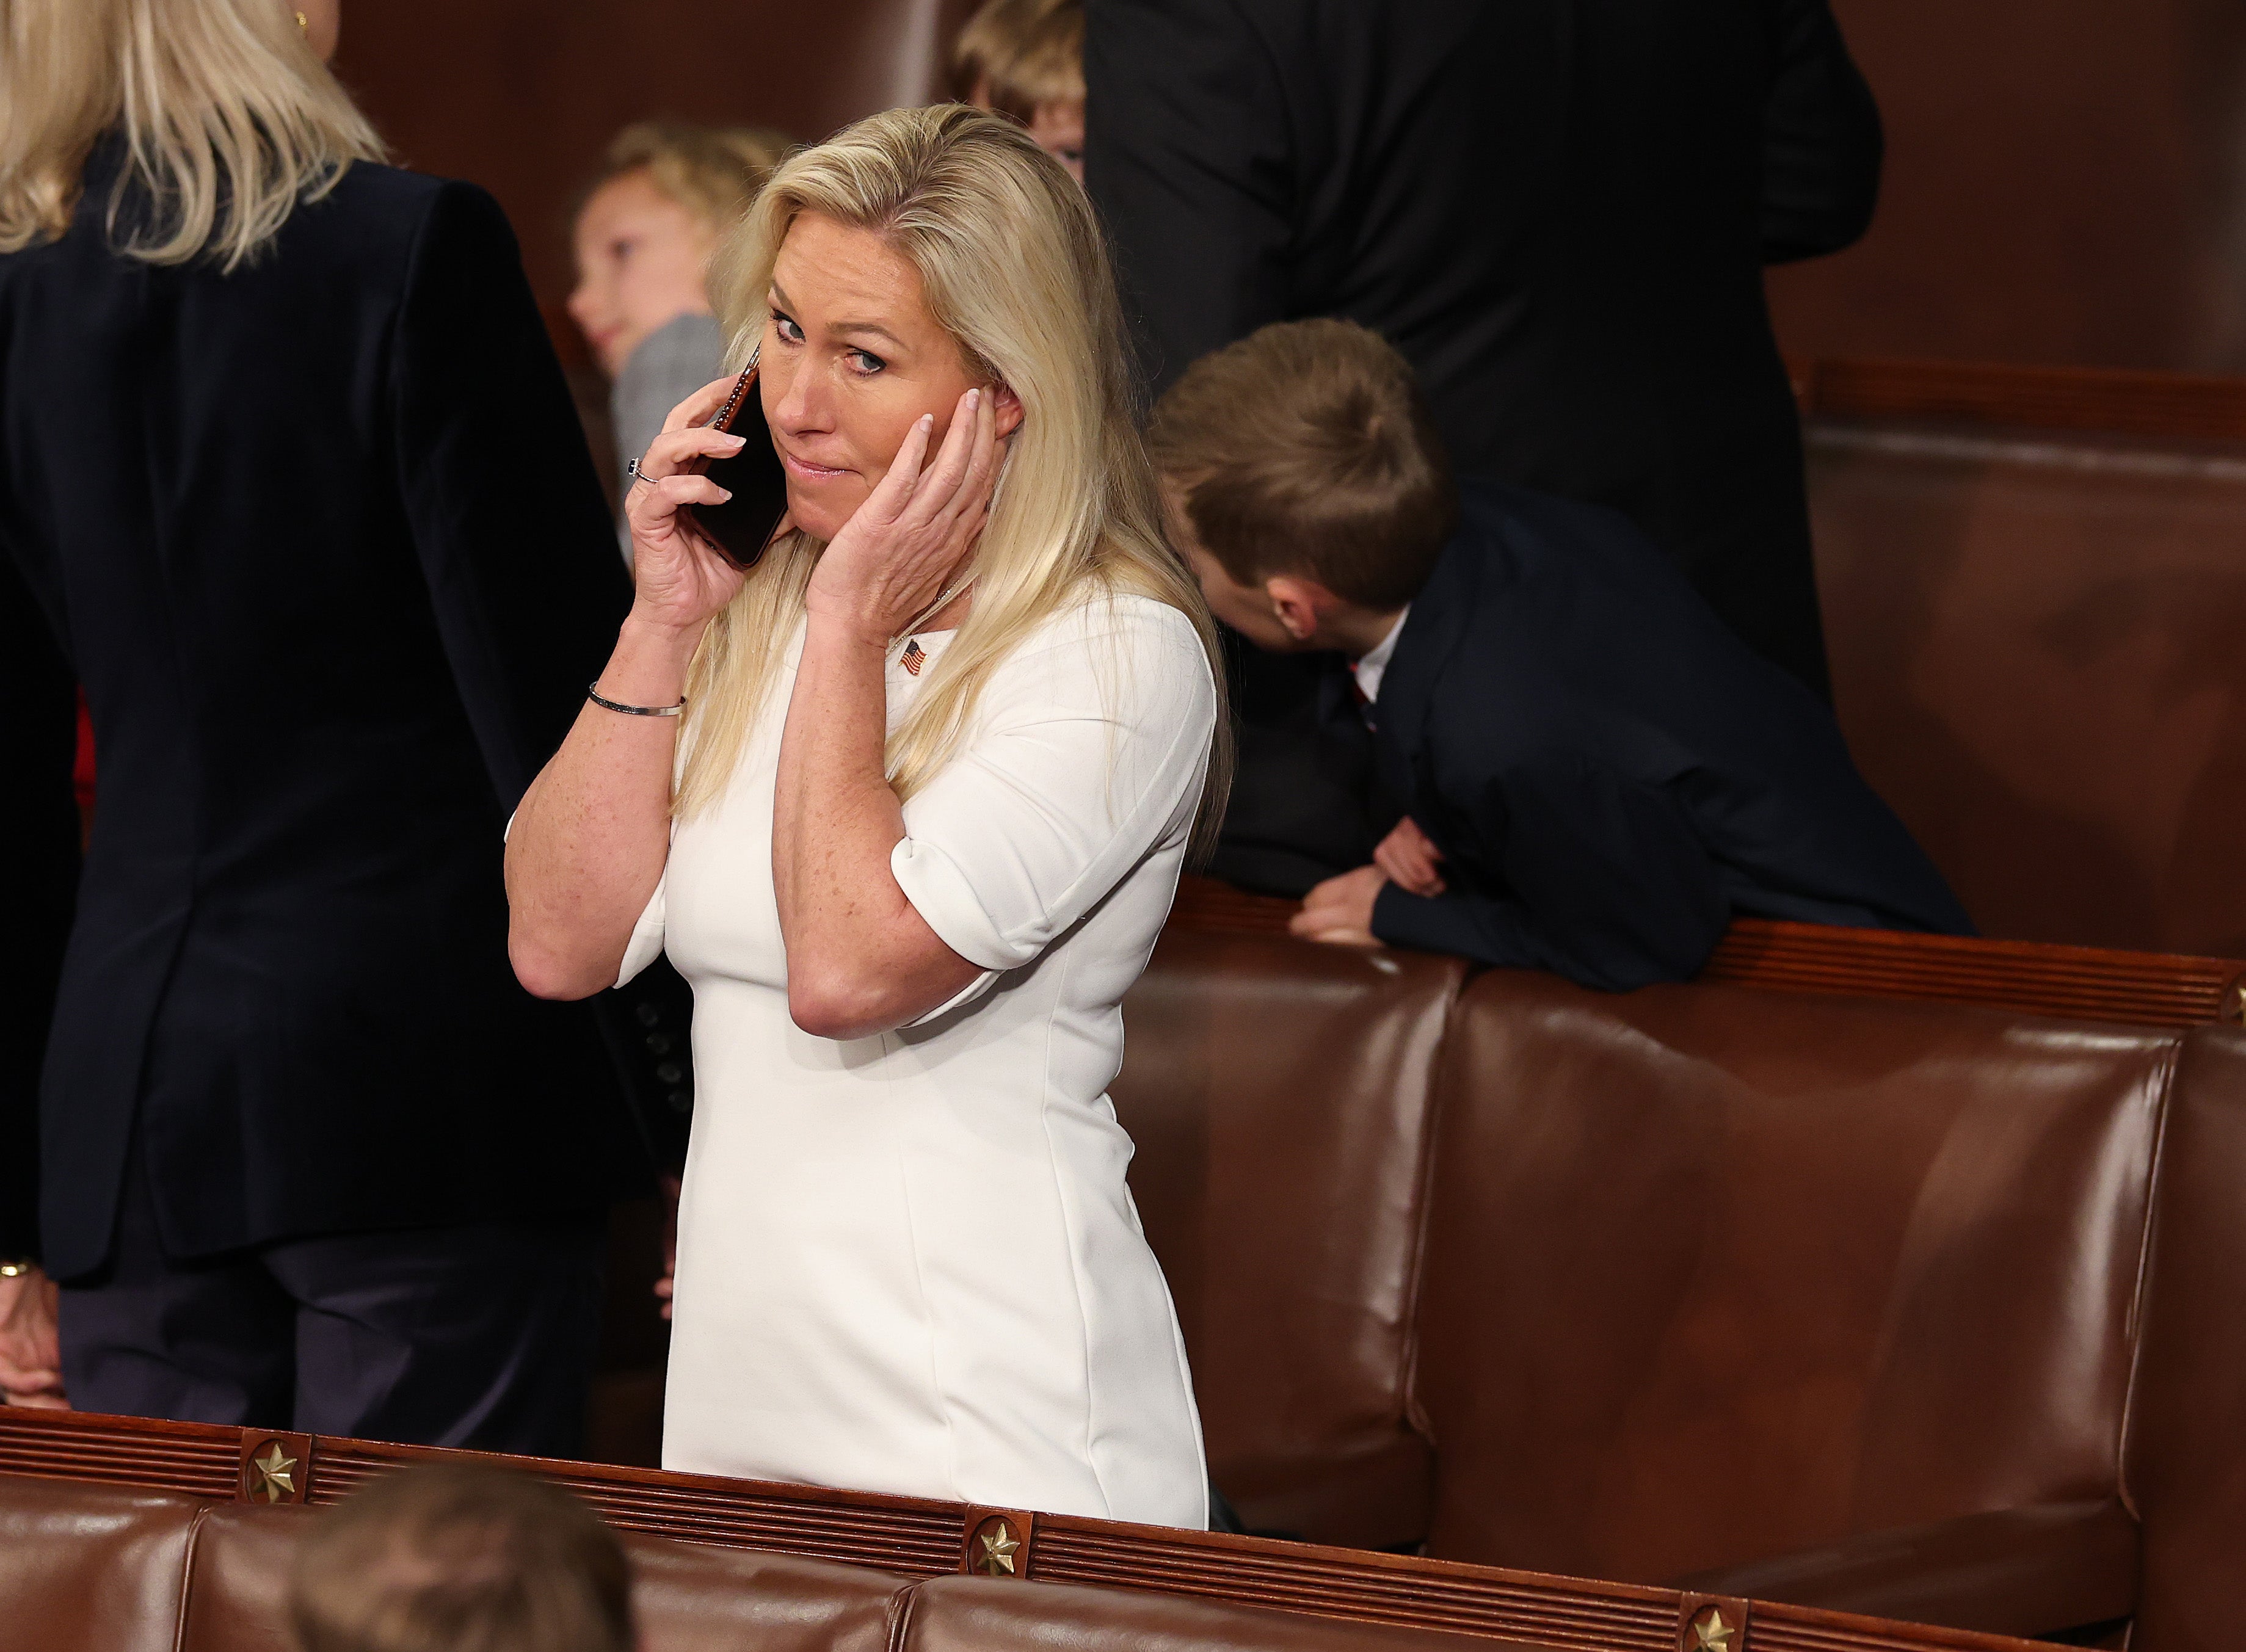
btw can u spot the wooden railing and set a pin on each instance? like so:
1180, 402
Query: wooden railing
914, 1537
2167, 406
2088, 983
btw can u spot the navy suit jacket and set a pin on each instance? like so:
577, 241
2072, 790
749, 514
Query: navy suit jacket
322, 543
1609, 772
1558, 210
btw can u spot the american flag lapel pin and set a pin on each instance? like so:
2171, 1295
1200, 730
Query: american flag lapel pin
913, 658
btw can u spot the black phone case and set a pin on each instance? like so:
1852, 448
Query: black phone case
741, 529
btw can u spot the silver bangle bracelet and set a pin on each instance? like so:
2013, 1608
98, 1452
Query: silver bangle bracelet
593, 692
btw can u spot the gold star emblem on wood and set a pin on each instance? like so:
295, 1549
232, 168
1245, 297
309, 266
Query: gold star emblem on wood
1711, 1633
999, 1545
273, 1475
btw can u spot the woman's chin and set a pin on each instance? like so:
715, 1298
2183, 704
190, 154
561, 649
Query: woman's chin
815, 516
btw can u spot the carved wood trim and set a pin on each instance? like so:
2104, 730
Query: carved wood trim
915, 1536
2175, 406
2085, 983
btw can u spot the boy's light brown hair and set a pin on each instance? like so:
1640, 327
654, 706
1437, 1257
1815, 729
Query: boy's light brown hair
711, 171
1018, 54
461, 1558
1306, 449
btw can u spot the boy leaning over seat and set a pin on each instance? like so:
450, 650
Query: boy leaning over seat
1578, 766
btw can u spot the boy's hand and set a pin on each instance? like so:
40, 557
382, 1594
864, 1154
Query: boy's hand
1339, 911
1411, 860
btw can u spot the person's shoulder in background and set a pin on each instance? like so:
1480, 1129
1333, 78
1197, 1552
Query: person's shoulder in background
671, 363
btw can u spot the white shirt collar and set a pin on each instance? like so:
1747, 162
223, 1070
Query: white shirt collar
1374, 666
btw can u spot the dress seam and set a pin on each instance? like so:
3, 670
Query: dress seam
1068, 1231
943, 1394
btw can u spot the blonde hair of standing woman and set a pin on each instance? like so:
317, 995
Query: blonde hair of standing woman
228, 115
1013, 267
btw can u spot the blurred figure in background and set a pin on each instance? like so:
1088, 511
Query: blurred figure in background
294, 478
461, 1558
1559, 210
666, 194
1026, 59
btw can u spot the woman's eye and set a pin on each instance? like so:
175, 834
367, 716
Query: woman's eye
867, 362
786, 329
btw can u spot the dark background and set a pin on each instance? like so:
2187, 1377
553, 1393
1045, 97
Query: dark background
2066, 178
521, 96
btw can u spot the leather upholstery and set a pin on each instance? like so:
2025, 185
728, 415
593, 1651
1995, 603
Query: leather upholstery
90, 1568
689, 1598
694, 1598
1278, 1094
2187, 1453
980, 1615
96, 1568
237, 1599
1716, 1275
2034, 643
1908, 1308
2071, 1563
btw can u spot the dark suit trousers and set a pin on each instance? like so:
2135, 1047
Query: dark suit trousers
481, 1335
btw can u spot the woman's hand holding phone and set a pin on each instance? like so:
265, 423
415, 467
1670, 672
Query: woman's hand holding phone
898, 550
681, 579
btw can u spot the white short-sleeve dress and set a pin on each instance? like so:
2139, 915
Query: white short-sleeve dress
909, 1263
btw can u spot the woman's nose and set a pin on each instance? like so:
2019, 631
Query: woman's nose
800, 408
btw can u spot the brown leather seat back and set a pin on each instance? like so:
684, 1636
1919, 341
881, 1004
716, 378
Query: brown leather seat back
692, 1598
1716, 1275
2186, 1474
238, 1593
688, 1597
2036, 658
90, 1568
982, 1615
1278, 1093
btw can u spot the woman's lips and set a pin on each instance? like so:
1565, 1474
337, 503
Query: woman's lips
809, 472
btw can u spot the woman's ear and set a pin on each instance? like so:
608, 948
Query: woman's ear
1006, 409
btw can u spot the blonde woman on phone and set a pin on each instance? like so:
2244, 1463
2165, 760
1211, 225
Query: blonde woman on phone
940, 757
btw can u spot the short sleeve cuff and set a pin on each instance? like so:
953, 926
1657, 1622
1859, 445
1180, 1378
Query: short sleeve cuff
946, 903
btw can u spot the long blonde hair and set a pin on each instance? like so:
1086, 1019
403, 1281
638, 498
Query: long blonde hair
228, 116
1013, 267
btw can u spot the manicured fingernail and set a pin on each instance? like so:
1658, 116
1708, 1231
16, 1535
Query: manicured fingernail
927, 421
724, 494
732, 440
974, 399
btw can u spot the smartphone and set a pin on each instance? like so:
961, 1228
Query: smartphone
742, 528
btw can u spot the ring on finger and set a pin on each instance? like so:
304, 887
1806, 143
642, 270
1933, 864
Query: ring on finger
632, 469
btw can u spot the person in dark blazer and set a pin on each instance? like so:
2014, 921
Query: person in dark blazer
291, 472
1586, 771
1559, 210
38, 846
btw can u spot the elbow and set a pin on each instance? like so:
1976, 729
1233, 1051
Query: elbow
839, 1004
547, 973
